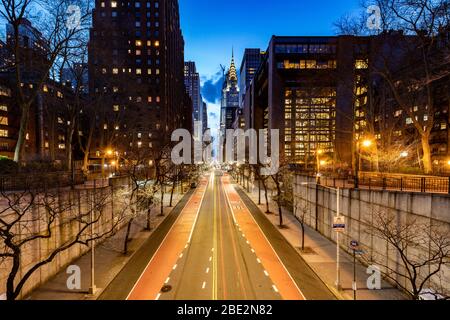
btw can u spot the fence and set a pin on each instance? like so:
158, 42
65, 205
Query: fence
40, 180
394, 182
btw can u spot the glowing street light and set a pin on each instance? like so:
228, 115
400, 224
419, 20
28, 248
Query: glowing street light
367, 143
109, 152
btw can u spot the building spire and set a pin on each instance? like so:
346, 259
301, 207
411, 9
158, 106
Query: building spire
232, 73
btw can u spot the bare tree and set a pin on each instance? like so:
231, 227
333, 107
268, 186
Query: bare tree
58, 34
419, 45
422, 249
37, 214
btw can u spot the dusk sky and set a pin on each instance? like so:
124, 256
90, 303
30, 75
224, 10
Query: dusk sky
212, 27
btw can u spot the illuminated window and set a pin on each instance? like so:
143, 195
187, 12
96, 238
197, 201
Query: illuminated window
61, 146
138, 71
149, 99
113, 4
116, 107
158, 99
59, 94
45, 88
138, 52
409, 121
60, 120
138, 43
157, 71
443, 126
104, 70
156, 43
105, 127
3, 107
4, 121
3, 133
149, 71
115, 71
361, 64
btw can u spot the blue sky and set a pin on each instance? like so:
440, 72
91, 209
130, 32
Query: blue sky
212, 27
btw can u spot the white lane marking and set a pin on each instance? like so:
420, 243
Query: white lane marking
243, 234
276, 254
248, 242
181, 255
207, 270
210, 258
204, 285
198, 210
162, 242
174, 267
158, 296
186, 245
212, 250
274, 288
257, 259
167, 280
266, 273
253, 250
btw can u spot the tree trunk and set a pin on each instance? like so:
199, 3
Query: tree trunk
149, 221
22, 132
171, 192
266, 197
303, 235
426, 157
162, 202
127, 236
259, 192
11, 294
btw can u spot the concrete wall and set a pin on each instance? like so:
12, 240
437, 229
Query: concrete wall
77, 201
359, 207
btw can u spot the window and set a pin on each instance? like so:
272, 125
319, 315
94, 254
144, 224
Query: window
3, 107
116, 107
3, 133
137, 4
138, 43
149, 71
409, 121
113, 4
361, 64
138, 71
157, 43
115, 71
4, 121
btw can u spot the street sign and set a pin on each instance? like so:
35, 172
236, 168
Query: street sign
354, 244
339, 224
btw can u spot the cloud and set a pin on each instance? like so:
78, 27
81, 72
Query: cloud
212, 87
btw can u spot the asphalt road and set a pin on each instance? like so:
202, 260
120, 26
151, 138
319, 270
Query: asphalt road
216, 245
219, 263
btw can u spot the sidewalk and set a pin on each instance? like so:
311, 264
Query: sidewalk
320, 254
109, 260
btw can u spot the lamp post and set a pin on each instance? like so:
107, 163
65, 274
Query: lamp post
338, 267
366, 144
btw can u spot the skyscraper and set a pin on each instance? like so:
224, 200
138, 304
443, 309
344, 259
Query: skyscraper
136, 58
192, 83
230, 98
250, 64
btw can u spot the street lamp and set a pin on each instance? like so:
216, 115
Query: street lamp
366, 143
338, 268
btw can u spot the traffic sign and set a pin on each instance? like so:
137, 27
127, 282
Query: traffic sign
339, 224
354, 244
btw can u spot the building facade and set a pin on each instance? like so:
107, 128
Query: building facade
229, 99
250, 63
193, 87
136, 63
324, 95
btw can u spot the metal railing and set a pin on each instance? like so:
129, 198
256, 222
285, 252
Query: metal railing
24, 181
394, 182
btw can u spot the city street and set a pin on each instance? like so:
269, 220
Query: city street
213, 250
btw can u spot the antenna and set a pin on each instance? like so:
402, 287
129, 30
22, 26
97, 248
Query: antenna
223, 70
